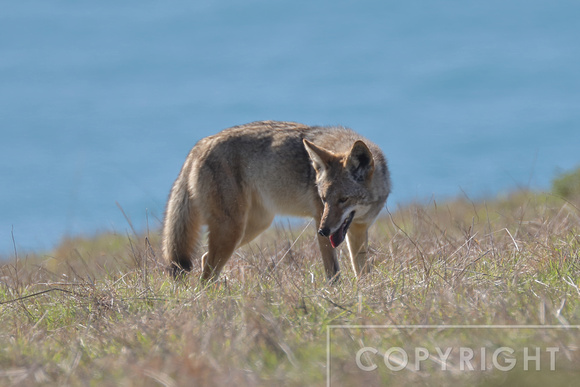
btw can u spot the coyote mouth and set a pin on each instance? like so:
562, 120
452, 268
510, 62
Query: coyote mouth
338, 237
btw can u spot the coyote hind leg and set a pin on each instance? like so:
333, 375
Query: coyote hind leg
223, 239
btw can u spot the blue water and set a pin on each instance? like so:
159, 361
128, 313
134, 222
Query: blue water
101, 101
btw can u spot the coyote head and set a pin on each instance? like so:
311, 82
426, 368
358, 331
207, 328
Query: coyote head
343, 182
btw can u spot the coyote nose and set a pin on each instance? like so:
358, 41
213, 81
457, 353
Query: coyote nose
325, 232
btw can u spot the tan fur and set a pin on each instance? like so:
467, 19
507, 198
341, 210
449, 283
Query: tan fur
237, 180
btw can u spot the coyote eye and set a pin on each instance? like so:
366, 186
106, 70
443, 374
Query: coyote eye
342, 200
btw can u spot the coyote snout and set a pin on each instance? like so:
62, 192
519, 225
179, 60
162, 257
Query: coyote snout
337, 236
237, 180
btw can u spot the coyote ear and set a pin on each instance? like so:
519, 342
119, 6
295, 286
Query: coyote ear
360, 161
320, 157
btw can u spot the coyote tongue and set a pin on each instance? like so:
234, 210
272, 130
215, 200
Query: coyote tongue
338, 237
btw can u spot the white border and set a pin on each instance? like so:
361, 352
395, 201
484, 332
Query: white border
329, 327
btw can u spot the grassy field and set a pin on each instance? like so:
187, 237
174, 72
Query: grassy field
102, 311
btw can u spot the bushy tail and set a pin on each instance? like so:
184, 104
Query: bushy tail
180, 228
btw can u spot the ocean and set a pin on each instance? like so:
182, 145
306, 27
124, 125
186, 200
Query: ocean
101, 101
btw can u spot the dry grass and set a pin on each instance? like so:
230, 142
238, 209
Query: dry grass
103, 312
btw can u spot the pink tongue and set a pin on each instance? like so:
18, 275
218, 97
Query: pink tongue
333, 240
337, 238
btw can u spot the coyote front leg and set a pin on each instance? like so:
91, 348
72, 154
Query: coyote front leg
357, 241
329, 257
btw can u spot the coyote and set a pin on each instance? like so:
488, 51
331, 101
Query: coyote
237, 180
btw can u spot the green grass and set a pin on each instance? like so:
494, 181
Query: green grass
102, 311
567, 184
